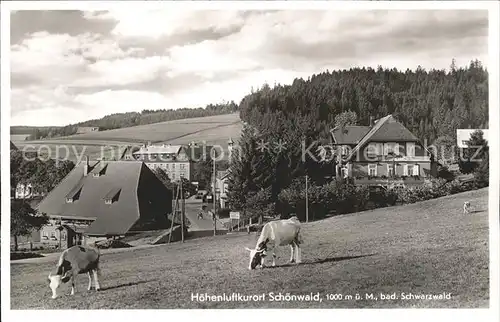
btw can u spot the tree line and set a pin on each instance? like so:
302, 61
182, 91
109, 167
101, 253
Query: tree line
42, 176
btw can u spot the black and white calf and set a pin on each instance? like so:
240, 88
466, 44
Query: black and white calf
73, 261
277, 233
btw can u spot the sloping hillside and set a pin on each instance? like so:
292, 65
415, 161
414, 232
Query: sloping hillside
211, 129
423, 248
168, 131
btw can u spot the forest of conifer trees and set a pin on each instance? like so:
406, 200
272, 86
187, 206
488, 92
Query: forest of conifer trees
431, 104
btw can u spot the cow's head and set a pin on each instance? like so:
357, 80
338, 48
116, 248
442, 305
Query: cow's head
55, 282
256, 256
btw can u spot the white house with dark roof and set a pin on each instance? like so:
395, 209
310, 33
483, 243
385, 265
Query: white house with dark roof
380, 154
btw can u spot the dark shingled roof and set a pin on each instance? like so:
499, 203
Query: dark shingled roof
385, 129
350, 134
141, 194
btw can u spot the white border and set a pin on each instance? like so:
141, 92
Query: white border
491, 314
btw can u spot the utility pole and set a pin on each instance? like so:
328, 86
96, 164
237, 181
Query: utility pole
182, 212
214, 196
307, 199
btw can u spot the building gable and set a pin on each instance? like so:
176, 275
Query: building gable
385, 130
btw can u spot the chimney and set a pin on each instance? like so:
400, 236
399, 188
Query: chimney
86, 166
371, 121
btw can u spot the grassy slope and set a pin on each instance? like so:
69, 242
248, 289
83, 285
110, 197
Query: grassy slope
428, 247
212, 129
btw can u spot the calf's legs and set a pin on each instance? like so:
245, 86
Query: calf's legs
292, 256
90, 280
73, 286
298, 259
97, 273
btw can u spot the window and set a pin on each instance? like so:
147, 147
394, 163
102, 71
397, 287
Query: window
63, 235
389, 148
112, 196
344, 172
371, 150
410, 170
345, 150
74, 194
390, 170
53, 234
372, 170
182, 166
410, 149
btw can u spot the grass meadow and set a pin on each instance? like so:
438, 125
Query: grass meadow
429, 247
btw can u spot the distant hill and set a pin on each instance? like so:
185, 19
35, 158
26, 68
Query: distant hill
214, 130
125, 120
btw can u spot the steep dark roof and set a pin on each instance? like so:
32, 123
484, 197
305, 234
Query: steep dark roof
392, 130
350, 134
13, 146
385, 129
115, 218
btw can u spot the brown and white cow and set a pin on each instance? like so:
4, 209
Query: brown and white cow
73, 261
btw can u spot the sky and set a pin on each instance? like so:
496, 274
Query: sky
72, 66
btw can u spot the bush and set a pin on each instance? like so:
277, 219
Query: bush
444, 173
337, 196
437, 188
23, 255
383, 198
223, 212
482, 174
111, 243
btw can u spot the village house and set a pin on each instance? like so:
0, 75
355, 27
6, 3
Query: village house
87, 129
221, 187
383, 154
176, 160
105, 199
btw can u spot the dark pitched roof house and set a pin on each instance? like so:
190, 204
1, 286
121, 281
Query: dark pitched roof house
384, 130
122, 196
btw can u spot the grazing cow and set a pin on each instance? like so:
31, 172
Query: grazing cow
73, 261
278, 233
466, 207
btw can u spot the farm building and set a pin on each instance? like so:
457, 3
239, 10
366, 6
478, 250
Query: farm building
115, 198
176, 160
463, 136
382, 154
87, 129
221, 187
